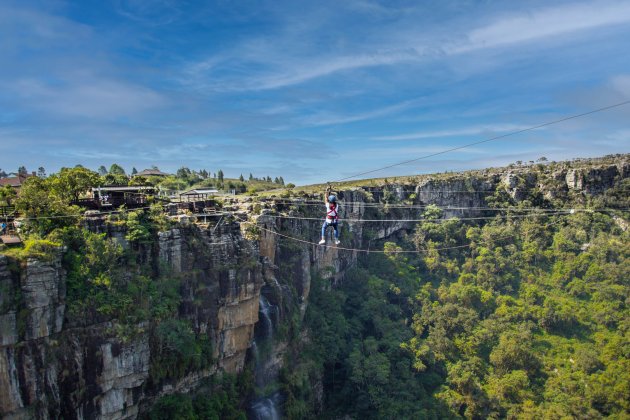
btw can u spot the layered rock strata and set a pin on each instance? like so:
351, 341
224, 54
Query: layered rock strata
49, 369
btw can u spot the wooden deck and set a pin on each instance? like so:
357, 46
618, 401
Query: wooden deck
10, 239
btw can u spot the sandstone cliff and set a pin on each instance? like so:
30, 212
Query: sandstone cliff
49, 369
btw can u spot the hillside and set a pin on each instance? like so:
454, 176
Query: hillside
499, 293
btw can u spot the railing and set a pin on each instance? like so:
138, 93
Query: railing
203, 208
7, 211
111, 202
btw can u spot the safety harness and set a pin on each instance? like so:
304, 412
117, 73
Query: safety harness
331, 214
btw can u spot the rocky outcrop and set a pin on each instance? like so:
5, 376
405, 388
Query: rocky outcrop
43, 295
50, 368
595, 180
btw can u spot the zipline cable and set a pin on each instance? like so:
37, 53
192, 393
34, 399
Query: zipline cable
68, 215
513, 133
515, 216
373, 251
424, 206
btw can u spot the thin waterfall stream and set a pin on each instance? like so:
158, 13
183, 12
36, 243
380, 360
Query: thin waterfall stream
265, 407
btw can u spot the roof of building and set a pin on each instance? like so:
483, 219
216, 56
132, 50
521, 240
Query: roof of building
151, 172
200, 191
14, 181
124, 189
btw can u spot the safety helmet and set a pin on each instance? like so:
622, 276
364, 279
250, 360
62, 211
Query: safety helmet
332, 199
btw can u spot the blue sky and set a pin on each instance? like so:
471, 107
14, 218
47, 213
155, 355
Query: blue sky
311, 91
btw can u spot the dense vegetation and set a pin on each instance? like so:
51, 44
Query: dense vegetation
529, 321
217, 400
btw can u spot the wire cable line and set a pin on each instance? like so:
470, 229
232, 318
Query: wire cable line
68, 215
424, 206
513, 133
375, 251
515, 216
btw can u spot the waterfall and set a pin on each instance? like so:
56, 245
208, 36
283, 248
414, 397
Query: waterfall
265, 311
266, 406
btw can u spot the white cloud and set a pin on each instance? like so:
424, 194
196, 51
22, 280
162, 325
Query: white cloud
467, 131
286, 71
620, 136
149, 12
545, 23
91, 97
22, 28
621, 84
332, 119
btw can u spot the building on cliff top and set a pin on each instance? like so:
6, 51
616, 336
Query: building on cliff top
151, 172
16, 181
198, 194
116, 196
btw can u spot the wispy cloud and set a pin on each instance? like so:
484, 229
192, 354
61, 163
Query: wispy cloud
308, 71
621, 84
149, 12
92, 97
486, 130
545, 23
285, 71
328, 118
29, 27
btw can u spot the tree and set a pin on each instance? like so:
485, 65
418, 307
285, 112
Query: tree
134, 171
116, 169
514, 352
281, 180
7, 194
220, 175
41, 172
3, 174
241, 178
113, 179
37, 203
102, 170
251, 177
137, 231
276, 180
22, 171
70, 184
183, 173
138, 180
173, 407
432, 212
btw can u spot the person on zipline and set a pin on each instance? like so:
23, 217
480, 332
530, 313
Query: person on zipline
332, 216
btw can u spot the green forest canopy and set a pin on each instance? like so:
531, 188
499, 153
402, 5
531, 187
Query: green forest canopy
530, 321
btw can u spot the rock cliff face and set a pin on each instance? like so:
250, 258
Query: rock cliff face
51, 367
50, 370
